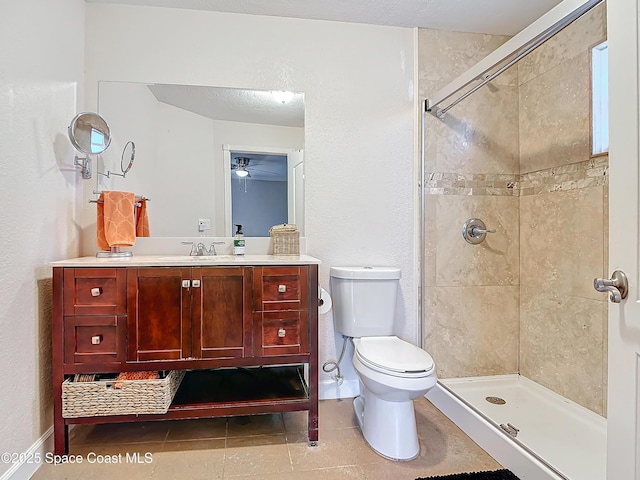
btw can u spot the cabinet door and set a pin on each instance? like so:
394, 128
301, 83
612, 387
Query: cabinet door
281, 288
222, 315
159, 309
94, 339
94, 291
283, 332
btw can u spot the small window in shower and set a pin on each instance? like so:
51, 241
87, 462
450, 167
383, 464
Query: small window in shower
600, 99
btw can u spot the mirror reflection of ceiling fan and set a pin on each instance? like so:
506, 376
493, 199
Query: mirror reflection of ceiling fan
243, 167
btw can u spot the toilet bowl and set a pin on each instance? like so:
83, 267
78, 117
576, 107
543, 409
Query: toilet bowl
392, 373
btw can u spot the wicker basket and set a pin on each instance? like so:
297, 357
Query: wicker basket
99, 398
286, 239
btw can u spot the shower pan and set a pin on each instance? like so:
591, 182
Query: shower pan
556, 436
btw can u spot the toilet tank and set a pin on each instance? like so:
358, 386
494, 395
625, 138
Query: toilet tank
364, 300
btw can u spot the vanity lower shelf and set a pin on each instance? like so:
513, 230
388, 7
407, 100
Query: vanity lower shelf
228, 392
241, 386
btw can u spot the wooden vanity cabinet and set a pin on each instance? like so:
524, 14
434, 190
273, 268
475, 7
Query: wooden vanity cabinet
195, 318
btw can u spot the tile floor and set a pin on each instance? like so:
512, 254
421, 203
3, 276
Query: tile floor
265, 447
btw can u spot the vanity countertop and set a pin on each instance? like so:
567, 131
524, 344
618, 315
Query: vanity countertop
187, 260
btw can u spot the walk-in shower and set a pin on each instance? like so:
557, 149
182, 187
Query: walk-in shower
513, 322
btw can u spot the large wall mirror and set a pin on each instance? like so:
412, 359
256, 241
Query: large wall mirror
194, 145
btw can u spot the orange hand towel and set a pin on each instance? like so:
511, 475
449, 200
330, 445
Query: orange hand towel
116, 220
142, 219
102, 239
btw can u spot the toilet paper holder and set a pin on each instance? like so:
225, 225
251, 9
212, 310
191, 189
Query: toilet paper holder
324, 300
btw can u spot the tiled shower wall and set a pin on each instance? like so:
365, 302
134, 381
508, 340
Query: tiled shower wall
471, 294
517, 155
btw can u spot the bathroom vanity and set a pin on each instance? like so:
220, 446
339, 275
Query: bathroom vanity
244, 329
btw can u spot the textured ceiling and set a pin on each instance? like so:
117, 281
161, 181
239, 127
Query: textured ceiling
233, 104
498, 17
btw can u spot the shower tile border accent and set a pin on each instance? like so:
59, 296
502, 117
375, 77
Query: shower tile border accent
589, 173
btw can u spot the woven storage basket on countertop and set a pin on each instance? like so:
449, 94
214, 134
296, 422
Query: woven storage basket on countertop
286, 239
99, 398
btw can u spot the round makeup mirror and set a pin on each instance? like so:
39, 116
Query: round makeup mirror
89, 133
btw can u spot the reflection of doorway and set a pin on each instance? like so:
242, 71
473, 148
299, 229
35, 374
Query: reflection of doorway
258, 192
271, 192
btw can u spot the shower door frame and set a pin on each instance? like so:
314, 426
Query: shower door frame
623, 422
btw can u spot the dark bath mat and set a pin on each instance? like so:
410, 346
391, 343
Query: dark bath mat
492, 475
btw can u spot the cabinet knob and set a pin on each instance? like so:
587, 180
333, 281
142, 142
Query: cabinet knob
186, 283
96, 291
96, 339
282, 288
195, 283
282, 332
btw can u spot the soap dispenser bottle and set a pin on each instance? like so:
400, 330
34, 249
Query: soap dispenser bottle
238, 241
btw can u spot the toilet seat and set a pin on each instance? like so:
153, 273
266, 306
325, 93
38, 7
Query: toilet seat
393, 356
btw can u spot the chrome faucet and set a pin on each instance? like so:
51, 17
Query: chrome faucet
199, 250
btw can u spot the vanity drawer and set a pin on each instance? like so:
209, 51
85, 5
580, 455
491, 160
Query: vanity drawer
281, 333
95, 339
281, 288
95, 291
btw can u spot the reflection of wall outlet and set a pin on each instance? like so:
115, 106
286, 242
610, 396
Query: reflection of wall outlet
204, 224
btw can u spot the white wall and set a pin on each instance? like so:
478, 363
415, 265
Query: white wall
358, 82
41, 80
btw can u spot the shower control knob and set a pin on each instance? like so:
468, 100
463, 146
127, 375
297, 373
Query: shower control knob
617, 286
474, 231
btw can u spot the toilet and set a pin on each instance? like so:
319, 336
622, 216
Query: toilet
392, 372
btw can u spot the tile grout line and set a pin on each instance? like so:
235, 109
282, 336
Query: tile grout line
226, 443
286, 441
